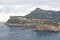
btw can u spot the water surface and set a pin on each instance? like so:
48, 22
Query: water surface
21, 33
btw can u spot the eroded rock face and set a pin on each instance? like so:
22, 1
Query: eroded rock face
48, 27
19, 21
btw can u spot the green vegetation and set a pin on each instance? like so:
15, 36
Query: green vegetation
13, 21
51, 23
44, 14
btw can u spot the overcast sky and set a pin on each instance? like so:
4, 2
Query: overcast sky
23, 7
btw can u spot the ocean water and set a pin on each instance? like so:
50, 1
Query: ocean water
21, 33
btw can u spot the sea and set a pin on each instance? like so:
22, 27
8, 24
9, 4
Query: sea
25, 33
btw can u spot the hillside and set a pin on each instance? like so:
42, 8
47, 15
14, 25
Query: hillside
37, 14
44, 14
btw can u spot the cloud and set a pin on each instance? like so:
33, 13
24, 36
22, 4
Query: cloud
23, 7
32, 2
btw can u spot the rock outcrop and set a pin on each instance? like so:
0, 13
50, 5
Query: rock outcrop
36, 18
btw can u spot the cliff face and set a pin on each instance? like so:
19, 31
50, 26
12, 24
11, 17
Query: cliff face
20, 21
16, 19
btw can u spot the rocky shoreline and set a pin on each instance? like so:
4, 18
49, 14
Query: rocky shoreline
37, 28
39, 24
18, 25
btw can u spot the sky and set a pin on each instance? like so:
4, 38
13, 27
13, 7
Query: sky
23, 7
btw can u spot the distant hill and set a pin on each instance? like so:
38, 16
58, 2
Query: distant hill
44, 14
